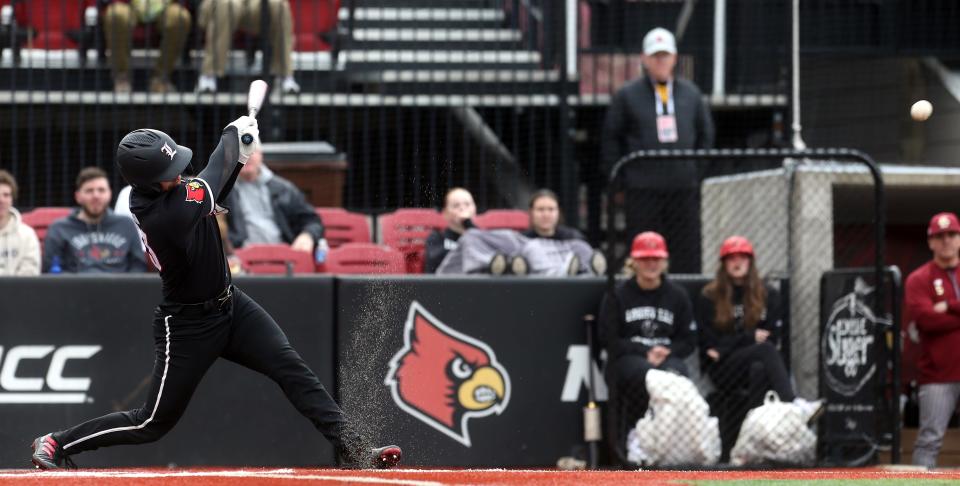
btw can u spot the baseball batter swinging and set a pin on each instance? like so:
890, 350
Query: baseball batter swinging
202, 316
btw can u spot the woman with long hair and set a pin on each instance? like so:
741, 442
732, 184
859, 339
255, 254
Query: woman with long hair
740, 324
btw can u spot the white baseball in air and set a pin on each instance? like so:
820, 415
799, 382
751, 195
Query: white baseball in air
921, 110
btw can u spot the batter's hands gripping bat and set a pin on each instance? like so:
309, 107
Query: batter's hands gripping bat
258, 91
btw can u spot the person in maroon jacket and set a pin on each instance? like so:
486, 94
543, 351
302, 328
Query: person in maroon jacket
932, 298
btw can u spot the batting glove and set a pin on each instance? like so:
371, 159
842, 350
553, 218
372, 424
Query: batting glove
247, 125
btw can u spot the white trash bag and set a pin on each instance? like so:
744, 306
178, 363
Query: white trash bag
775, 432
677, 428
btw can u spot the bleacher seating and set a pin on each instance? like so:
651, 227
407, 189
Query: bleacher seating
54, 24
406, 230
313, 21
515, 219
341, 226
274, 259
365, 258
41, 218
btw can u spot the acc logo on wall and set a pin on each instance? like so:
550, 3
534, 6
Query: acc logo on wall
847, 342
445, 378
18, 389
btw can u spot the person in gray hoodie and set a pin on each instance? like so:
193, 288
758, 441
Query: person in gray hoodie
93, 239
19, 247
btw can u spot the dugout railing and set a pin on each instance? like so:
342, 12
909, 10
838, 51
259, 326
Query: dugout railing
788, 210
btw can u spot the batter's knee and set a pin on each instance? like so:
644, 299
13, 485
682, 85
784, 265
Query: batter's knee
155, 430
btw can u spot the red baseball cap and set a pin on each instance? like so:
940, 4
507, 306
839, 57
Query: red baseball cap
943, 223
734, 245
649, 244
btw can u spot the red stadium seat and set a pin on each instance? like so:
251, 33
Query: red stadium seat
56, 24
312, 19
407, 230
41, 218
341, 226
274, 259
515, 219
357, 258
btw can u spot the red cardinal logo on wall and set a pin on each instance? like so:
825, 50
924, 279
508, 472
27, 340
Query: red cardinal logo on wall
444, 378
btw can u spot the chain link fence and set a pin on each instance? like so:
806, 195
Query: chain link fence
718, 360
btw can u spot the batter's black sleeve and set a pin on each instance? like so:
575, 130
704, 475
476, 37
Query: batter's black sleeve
224, 165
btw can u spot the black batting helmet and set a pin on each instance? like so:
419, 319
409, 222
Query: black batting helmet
148, 156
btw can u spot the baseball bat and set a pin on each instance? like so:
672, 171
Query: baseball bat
258, 91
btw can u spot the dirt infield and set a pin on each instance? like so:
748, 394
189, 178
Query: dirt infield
431, 477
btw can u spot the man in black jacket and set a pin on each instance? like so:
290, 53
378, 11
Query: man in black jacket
659, 111
266, 208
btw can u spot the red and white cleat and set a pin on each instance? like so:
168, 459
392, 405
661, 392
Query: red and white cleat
387, 457
47, 454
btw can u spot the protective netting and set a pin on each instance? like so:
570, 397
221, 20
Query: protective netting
744, 384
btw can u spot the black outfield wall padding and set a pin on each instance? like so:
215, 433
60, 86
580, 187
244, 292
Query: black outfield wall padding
102, 327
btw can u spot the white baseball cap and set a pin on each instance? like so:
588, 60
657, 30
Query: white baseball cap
659, 40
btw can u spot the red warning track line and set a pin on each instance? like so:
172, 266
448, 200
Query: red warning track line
426, 477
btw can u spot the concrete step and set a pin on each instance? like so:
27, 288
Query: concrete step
460, 81
433, 39
404, 59
424, 17
428, 3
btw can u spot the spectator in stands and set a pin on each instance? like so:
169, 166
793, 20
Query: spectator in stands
545, 218
19, 247
459, 211
660, 111
268, 209
649, 322
932, 298
545, 224
740, 324
220, 19
93, 239
170, 18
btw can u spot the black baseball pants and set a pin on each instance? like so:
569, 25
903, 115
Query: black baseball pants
187, 341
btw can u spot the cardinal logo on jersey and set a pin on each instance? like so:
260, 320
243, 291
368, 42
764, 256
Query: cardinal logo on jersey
445, 378
195, 192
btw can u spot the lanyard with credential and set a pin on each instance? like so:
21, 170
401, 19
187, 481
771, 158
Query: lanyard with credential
659, 103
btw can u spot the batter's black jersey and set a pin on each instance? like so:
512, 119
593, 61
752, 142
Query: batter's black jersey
637, 320
183, 241
180, 230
